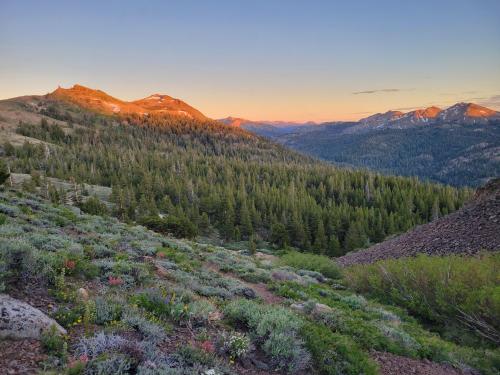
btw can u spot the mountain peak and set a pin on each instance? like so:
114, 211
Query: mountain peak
459, 112
99, 101
468, 112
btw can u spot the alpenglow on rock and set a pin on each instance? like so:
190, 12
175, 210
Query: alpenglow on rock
18, 320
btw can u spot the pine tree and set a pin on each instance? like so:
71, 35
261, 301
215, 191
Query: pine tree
4, 172
334, 249
355, 237
320, 240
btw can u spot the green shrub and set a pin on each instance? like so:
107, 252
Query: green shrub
276, 329
54, 343
162, 304
93, 206
107, 311
437, 289
3, 219
311, 262
178, 226
334, 354
179, 257
235, 344
69, 316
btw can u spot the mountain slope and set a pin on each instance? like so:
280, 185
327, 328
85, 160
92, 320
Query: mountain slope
459, 145
142, 301
99, 101
211, 179
472, 229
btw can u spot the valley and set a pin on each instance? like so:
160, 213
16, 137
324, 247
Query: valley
457, 146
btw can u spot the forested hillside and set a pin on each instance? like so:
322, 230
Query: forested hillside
456, 154
206, 178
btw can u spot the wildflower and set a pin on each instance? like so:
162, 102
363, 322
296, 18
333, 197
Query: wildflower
207, 346
114, 281
69, 264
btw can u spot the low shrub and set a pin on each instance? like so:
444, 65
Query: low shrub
113, 363
180, 227
319, 263
334, 354
54, 343
199, 311
107, 311
162, 304
275, 329
93, 206
234, 344
437, 289
152, 331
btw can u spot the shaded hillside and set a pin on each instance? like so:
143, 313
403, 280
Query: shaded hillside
459, 145
455, 154
473, 228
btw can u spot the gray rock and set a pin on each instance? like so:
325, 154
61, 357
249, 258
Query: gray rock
246, 292
18, 320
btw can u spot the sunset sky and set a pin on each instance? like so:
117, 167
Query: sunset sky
273, 60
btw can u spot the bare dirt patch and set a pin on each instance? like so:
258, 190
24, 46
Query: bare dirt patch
391, 364
20, 356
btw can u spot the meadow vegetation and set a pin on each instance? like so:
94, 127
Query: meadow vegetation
160, 305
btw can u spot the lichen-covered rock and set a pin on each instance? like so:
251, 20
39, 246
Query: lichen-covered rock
18, 320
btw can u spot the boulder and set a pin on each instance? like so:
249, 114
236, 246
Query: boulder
18, 320
317, 308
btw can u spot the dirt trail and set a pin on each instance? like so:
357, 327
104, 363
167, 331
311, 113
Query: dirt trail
260, 289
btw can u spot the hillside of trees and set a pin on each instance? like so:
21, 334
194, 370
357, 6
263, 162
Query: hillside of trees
220, 181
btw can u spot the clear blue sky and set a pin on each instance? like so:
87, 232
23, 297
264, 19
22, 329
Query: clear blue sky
289, 60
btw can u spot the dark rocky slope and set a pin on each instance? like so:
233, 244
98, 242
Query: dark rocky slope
473, 228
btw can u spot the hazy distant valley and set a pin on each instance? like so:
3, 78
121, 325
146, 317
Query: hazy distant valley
458, 146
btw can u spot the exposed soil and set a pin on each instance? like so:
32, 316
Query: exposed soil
20, 357
391, 364
473, 228
260, 289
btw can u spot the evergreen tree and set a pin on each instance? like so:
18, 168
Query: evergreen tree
355, 237
4, 172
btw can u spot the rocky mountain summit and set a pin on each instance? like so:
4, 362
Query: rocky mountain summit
99, 101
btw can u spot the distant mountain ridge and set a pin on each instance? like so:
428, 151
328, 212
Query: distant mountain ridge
459, 145
99, 101
267, 128
460, 113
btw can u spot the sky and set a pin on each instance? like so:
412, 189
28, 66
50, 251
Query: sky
306, 60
